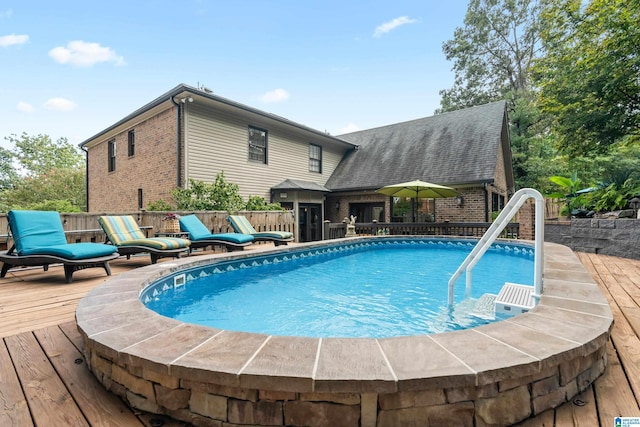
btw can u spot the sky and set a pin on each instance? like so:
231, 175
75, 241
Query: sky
70, 69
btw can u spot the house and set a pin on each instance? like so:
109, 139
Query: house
467, 149
189, 133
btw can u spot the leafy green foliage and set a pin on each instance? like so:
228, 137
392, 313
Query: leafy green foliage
257, 203
533, 153
51, 188
48, 175
8, 174
39, 155
55, 205
492, 53
615, 196
159, 205
589, 77
493, 56
217, 196
569, 193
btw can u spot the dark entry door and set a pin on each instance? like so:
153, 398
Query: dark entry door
310, 221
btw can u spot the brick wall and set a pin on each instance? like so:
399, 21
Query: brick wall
472, 208
155, 139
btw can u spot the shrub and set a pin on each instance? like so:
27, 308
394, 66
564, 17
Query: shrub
159, 205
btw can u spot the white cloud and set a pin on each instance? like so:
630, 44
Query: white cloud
351, 127
277, 95
6, 14
392, 25
25, 107
13, 39
84, 54
60, 104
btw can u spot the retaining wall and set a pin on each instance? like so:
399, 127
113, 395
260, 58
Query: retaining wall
615, 237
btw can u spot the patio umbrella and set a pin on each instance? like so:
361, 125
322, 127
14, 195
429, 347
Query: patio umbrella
416, 190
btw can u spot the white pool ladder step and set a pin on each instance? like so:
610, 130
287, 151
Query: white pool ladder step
514, 299
485, 307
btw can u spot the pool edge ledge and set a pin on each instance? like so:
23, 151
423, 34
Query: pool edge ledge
205, 375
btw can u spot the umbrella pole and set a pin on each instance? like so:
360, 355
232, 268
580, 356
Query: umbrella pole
413, 209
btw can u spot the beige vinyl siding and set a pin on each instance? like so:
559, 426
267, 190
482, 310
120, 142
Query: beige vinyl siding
218, 141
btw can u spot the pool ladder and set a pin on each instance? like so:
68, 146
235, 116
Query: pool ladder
492, 234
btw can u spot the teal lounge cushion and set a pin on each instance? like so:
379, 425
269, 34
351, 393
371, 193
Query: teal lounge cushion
194, 227
35, 229
76, 251
198, 231
230, 237
41, 233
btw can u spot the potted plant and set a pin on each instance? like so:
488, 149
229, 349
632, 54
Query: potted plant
171, 223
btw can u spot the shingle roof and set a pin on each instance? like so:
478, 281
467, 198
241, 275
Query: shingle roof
457, 147
296, 184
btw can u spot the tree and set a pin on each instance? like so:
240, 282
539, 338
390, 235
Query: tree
8, 174
218, 196
63, 190
48, 175
493, 55
493, 52
38, 155
534, 155
257, 203
589, 76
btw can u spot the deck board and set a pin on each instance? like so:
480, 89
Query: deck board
14, 410
43, 385
98, 405
43, 388
580, 412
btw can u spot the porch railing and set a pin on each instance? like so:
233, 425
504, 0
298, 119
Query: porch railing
470, 229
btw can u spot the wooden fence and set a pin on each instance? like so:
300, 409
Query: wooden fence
552, 208
84, 227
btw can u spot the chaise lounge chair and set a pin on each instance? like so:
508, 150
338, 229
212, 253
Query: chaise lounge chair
125, 234
242, 225
201, 237
39, 239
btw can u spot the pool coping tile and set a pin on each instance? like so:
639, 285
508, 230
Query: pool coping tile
572, 318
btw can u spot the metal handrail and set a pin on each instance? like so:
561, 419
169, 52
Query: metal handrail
494, 231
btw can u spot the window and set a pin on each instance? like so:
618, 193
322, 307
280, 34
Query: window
257, 145
497, 202
112, 155
132, 143
315, 158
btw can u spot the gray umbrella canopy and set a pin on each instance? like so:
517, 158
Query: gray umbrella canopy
417, 190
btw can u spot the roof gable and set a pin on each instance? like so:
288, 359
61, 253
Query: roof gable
457, 147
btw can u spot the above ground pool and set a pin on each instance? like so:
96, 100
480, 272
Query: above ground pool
494, 374
394, 287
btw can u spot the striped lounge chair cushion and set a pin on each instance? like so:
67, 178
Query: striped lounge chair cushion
124, 231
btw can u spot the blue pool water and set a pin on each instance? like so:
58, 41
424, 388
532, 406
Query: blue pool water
391, 288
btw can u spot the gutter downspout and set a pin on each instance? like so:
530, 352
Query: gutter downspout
486, 202
178, 142
86, 178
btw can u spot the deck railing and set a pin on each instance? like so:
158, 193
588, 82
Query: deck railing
470, 229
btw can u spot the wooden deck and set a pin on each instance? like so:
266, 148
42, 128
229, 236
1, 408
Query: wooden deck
45, 382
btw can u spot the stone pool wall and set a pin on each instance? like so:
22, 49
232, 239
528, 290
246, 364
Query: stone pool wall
208, 404
492, 375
